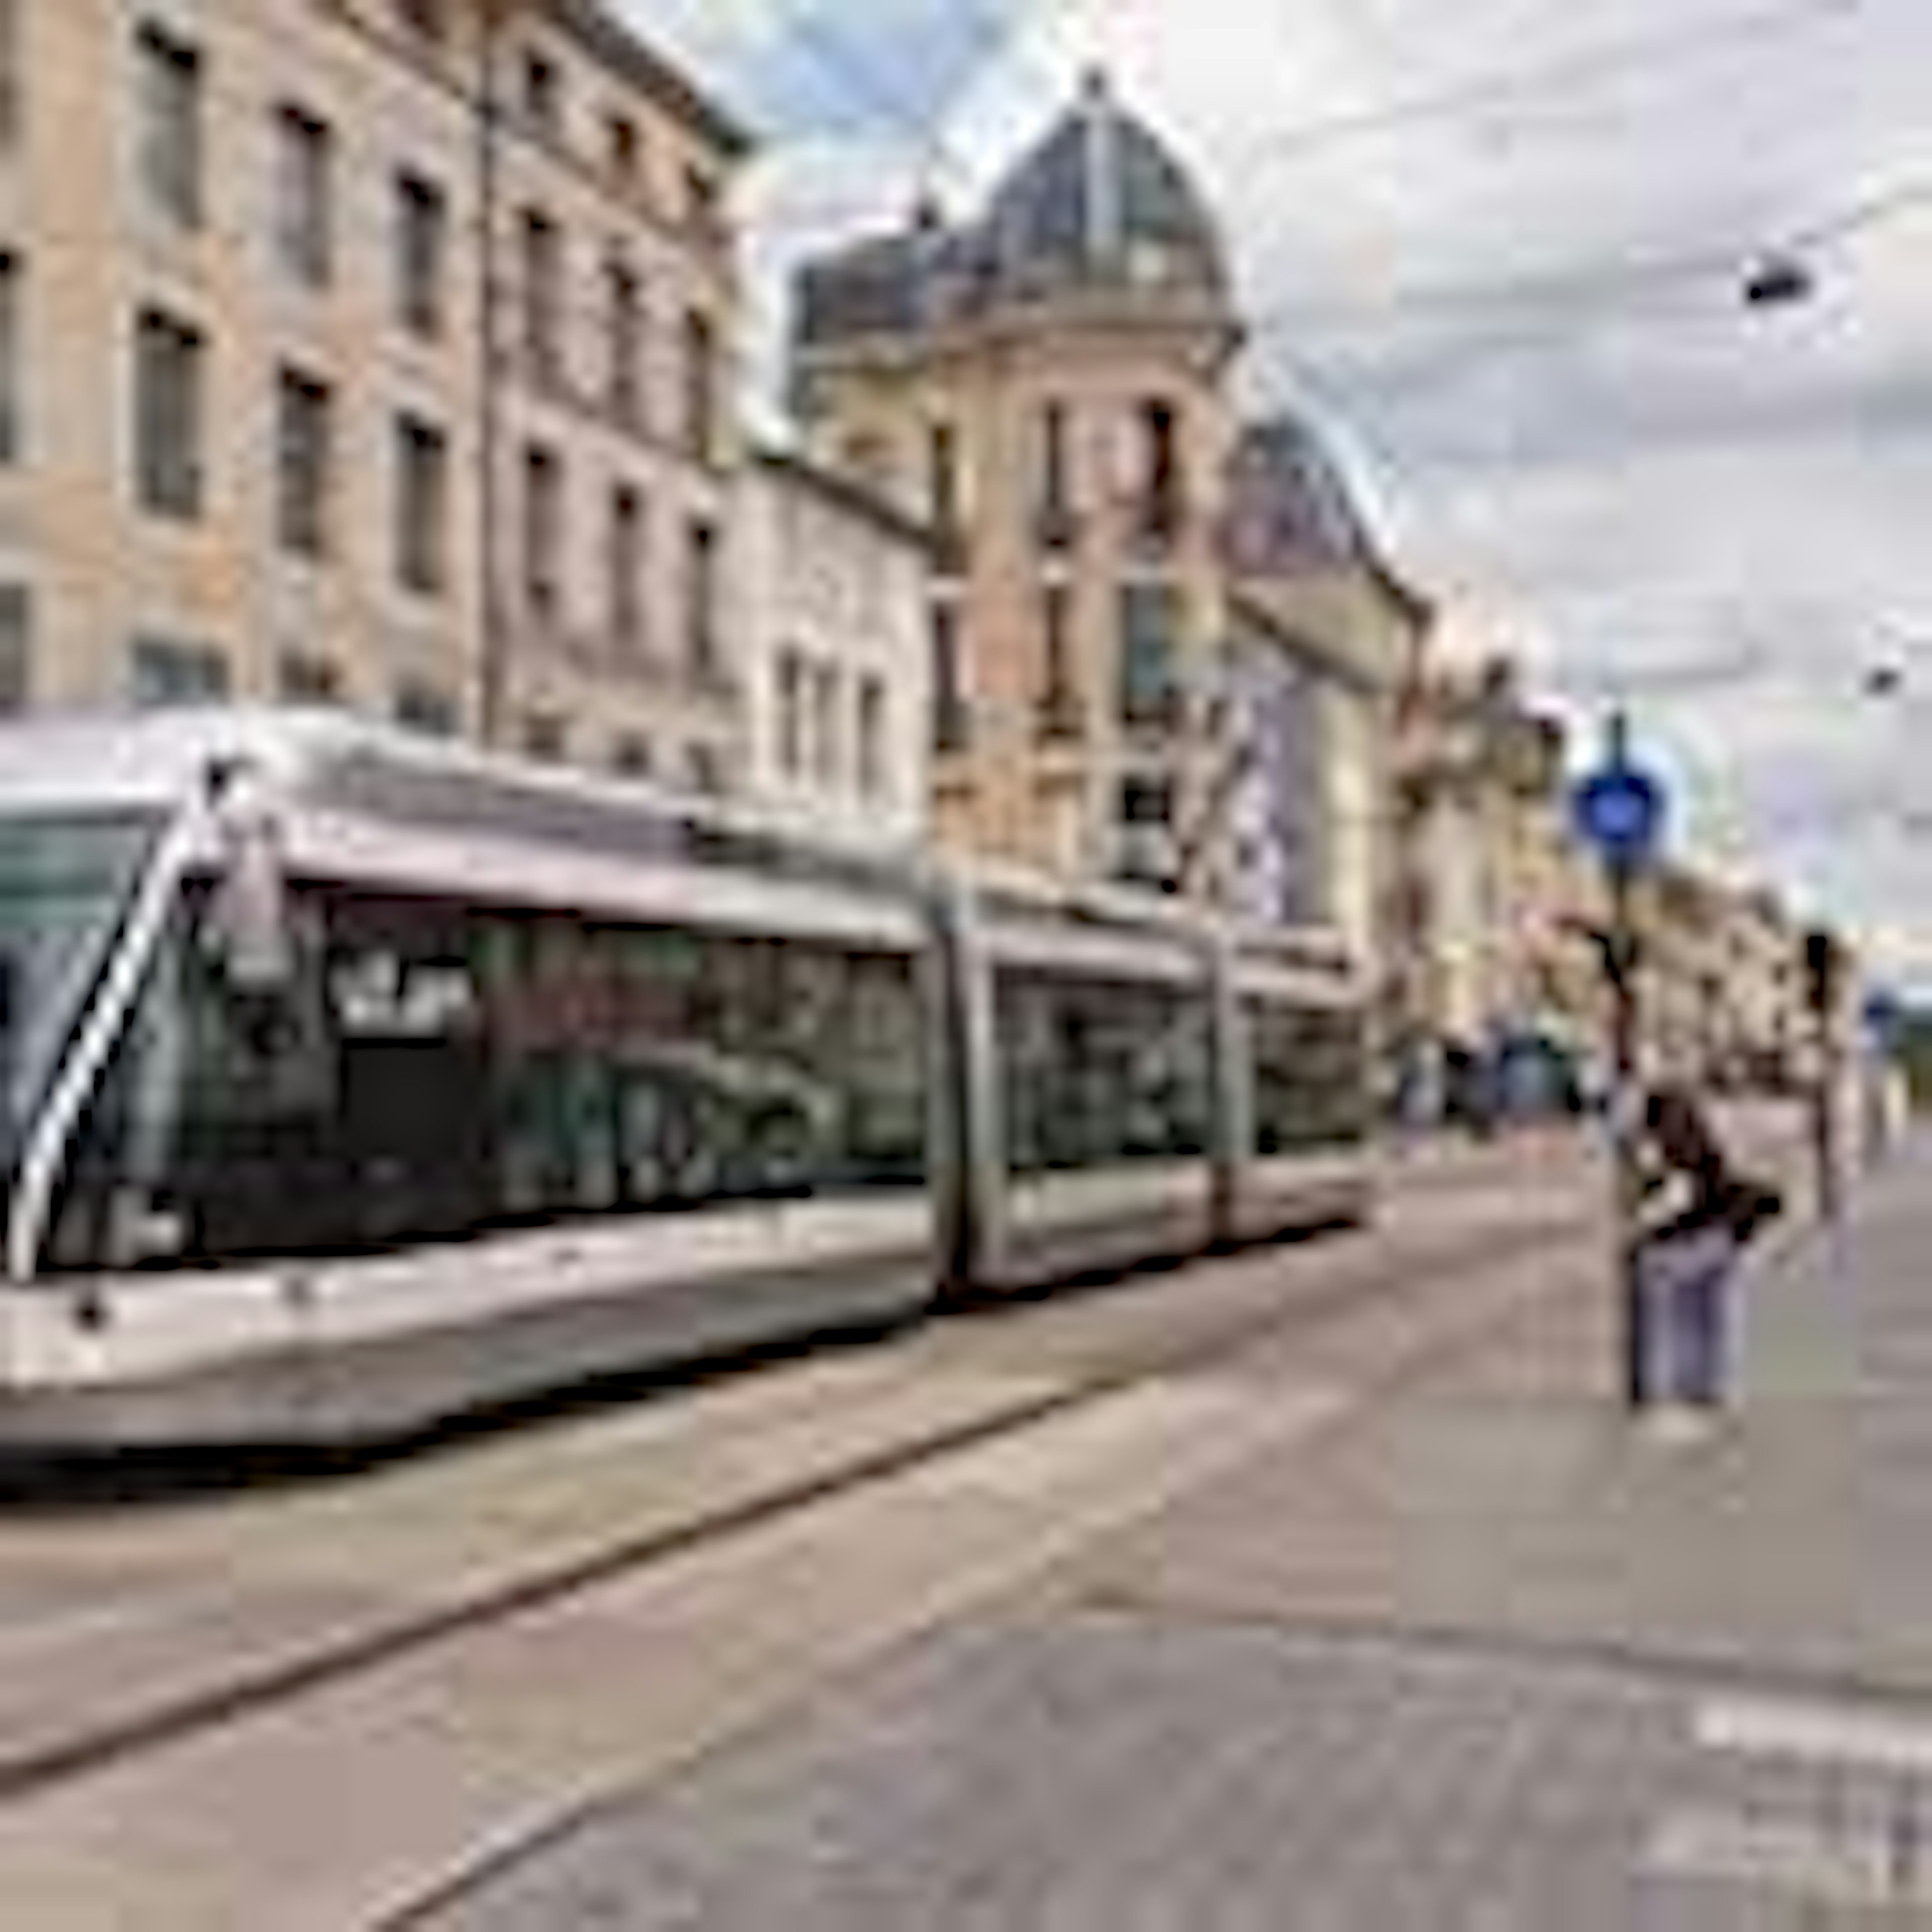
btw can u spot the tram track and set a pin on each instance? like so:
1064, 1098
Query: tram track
167, 1715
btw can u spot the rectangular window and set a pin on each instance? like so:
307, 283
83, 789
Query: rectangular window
701, 592
304, 215
13, 73
826, 747
304, 447
630, 757
543, 95
543, 528
623, 150
1055, 497
1094, 1072
625, 319
13, 359
942, 469
706, 770
168, 378
542, 288
422, 233
545, 737
1161, 484
16, 649
168, 117
704, 206
422, 706
791, 713
700, 381
627, 569
164, 671
428, 19
1057, 696
871, 735
303, 678
1149, 617
422, 507
949, 697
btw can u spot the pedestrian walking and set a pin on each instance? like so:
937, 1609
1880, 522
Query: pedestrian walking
1701, 1215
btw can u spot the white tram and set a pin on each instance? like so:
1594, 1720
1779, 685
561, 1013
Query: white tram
349, 1081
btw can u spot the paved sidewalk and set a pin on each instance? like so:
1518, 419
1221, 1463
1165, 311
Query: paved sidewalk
1487, 1660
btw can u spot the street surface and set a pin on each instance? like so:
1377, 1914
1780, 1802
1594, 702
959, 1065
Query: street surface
1089, 1597
1479, 1658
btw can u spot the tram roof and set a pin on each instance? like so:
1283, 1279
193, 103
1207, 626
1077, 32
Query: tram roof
161, 759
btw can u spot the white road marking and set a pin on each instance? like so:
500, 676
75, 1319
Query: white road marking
1843, 1735
1823, 1866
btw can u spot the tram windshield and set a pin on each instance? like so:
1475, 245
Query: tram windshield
64, 882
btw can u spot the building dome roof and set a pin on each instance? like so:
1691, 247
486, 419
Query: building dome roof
1288, 504
1100, 201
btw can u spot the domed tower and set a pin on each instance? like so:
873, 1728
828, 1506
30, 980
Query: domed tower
1047, 384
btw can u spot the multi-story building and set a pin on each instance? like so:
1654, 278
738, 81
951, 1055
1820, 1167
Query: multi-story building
1505, 907
1497, 900
367, 352
1050, 387
835, 667
1326, 632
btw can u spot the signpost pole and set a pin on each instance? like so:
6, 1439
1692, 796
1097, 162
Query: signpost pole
1619, 809
1633, 1335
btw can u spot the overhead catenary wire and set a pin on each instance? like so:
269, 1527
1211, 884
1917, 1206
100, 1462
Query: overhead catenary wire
1526, 305
1558, 75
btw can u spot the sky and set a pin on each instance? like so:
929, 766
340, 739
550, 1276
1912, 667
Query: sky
1497, 251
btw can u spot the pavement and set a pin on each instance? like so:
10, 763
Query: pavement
1483, 1657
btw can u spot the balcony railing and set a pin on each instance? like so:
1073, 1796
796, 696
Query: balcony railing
1055, 527
952, 724
1152, 708
1157, 518
1061, 717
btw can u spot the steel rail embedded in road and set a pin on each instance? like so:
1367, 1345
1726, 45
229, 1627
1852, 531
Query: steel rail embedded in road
169, 1719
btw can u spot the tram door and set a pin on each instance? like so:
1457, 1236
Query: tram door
413, 1098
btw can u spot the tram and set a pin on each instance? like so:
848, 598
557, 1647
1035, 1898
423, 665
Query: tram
350, 1081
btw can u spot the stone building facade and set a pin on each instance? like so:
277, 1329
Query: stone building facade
1051, 386
368, 352
832, 605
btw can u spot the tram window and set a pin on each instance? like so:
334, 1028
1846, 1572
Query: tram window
1310, 1073
445, 1069
62, 885
1094, 1072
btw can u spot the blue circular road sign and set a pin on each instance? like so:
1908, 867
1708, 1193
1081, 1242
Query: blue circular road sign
1619, 809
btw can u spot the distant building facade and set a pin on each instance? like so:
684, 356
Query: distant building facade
371, 352
1050, 387
835, 672
1502, 905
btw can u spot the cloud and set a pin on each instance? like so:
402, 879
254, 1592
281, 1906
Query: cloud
1655, 488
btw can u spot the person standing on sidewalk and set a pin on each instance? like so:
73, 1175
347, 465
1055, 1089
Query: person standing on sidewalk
1686, 1259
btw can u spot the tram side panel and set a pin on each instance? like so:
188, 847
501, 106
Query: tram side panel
483, 1149
1302, 1113
1093, 1078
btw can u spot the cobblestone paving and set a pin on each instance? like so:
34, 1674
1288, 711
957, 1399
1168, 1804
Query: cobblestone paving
1103, 1773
